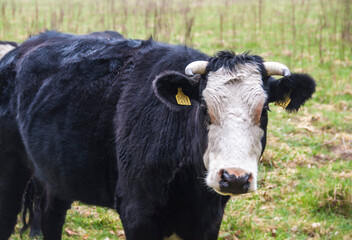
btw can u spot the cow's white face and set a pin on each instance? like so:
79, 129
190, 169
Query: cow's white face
234, 92
235, 100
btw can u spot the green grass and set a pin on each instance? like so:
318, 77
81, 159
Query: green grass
305, 182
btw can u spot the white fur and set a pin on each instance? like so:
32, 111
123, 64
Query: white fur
234, 140
174, 236
5, 49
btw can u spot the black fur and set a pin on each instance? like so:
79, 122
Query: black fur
14, 173
229, 60
95, 130
14, 170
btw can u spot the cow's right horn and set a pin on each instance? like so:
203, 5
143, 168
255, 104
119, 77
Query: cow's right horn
196, 67
275, 68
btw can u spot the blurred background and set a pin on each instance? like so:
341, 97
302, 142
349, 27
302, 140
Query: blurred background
305, 187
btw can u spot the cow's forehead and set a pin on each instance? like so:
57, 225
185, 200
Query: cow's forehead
238, 90
246, 72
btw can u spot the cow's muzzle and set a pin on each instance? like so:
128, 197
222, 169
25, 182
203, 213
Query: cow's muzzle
234, 181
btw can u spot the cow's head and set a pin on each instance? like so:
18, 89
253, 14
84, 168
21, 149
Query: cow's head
235, 91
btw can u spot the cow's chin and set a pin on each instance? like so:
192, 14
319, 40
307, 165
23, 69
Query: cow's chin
226, 194
232, 194
250, 190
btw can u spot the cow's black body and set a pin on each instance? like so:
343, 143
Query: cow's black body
82, 103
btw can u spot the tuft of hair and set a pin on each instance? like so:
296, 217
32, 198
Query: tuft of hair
302, 87
229, 59
6, 47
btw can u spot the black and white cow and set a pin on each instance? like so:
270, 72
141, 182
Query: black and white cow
162, 133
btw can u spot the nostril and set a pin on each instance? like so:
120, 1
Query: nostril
235, 181
247, 177
224, 178
250, 177
225, 175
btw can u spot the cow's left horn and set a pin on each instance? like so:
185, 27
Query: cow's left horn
196, 67
275, 68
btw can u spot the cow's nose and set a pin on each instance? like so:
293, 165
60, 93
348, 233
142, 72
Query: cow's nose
234, 180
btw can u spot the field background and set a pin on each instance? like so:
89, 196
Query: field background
305, 182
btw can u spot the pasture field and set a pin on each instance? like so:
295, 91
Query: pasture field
305, 182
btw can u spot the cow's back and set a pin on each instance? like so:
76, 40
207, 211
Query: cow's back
67, 88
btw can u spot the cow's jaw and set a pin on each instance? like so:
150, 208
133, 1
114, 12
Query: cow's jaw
234, 100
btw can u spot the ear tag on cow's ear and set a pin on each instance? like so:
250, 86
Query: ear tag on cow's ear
181, 98
284, 102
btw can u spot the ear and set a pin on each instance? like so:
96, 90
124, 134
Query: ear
169, 84
298, 87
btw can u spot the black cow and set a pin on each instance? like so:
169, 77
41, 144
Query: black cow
12, 156
162, 133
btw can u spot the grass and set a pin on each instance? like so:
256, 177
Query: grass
305, 186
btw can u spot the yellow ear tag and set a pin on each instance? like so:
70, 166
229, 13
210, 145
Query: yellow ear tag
181, 98
284, 103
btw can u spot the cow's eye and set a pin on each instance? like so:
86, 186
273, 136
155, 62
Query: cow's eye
208, 119
205, 114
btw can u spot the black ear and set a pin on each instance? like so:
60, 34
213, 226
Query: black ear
169, 84
299, 88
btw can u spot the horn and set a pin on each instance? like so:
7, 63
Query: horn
196, 67
275, 68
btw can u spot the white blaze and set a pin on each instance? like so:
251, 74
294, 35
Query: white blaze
234, 138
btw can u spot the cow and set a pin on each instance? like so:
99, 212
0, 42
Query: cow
13, 156
163, 134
